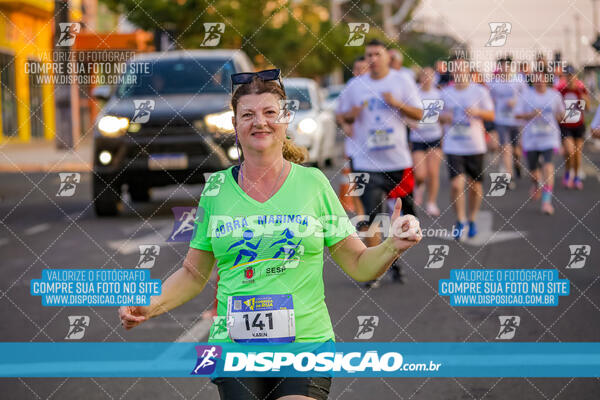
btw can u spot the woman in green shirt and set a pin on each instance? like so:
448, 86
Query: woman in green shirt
266, 223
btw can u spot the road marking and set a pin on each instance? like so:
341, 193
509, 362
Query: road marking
197, 333
37, 229
133, 245
485, 235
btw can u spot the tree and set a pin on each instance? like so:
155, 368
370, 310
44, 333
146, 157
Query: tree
294, 36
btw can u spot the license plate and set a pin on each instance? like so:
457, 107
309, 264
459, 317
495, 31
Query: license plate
167, 161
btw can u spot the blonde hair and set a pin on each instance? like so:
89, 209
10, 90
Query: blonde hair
294, 153
291, 151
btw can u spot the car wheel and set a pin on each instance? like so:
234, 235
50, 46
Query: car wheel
139, 193
106, 197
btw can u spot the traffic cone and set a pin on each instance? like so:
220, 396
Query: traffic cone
346, 200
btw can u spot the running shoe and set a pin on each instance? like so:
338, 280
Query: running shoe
566, 181
472, 229
432, 210
458, 230
372, 284
547, 208
578, 183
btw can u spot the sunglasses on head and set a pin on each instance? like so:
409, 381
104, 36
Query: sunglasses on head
265, 75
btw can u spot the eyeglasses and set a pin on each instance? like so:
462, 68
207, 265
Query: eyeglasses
265, 75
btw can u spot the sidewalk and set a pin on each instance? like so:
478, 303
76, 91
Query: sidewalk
43, 156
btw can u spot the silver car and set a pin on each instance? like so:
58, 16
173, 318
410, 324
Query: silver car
313, 126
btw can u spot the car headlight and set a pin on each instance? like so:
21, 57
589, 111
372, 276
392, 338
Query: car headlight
307, 125
112, 126
219, 122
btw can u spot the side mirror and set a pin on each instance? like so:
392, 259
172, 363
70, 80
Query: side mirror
102, 92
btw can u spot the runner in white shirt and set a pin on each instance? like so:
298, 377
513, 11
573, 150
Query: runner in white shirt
542, 107
380, 101
425, 137
505, 90
396, 61
359, 67
466, 106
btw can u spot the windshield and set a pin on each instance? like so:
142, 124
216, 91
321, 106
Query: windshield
300, 94
178, 76
333, 93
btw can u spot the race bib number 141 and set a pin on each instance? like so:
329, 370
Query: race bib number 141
261, 318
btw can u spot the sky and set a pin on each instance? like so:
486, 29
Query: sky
536, 25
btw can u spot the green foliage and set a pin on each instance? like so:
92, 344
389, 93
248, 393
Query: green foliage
296, 36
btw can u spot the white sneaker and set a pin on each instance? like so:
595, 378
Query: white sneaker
432, 210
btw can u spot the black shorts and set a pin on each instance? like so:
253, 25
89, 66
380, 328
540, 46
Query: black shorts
470, 165
272, 388
508, 134
380, 184
533, 158
424, 146
489, 126
576, 132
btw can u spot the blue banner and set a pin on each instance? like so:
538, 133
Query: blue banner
300, 359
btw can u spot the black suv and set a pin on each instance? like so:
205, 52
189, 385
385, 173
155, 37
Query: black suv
167, 123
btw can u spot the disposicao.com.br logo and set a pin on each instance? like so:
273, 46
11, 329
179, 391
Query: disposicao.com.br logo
339, 363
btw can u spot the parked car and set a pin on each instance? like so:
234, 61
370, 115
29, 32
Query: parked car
331, 96
312, 126
167, 123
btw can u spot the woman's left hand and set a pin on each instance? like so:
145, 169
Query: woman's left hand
405, 230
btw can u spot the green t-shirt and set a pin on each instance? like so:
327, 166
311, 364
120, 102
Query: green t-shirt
275, 247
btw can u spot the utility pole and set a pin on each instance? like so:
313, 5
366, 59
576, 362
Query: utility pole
66, 94
388, 24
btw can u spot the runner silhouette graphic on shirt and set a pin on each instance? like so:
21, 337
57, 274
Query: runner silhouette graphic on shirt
246, 237
288, 246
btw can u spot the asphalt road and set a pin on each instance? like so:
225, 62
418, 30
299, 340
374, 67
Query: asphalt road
40, 230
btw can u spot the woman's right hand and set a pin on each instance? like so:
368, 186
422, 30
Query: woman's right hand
132, 316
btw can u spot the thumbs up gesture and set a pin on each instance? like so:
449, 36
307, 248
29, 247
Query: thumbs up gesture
405, 230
